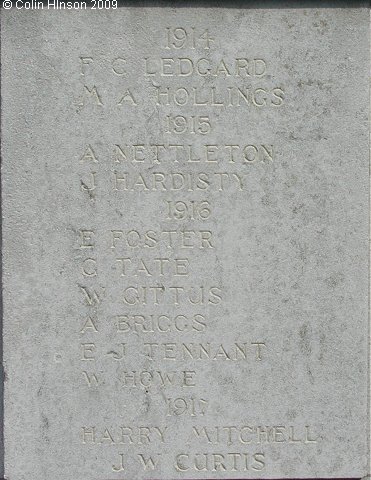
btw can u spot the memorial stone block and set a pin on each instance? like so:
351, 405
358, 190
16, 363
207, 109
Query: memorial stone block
185, 197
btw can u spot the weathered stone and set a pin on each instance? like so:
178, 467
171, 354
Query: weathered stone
185, 229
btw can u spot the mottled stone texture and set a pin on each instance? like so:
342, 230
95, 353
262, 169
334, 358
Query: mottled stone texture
185, 226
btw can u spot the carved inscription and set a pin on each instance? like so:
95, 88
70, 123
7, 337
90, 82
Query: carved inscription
166, 307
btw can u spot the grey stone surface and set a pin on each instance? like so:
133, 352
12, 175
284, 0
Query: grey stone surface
227, 267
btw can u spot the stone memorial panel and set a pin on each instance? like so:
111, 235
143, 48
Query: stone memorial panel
185, 197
